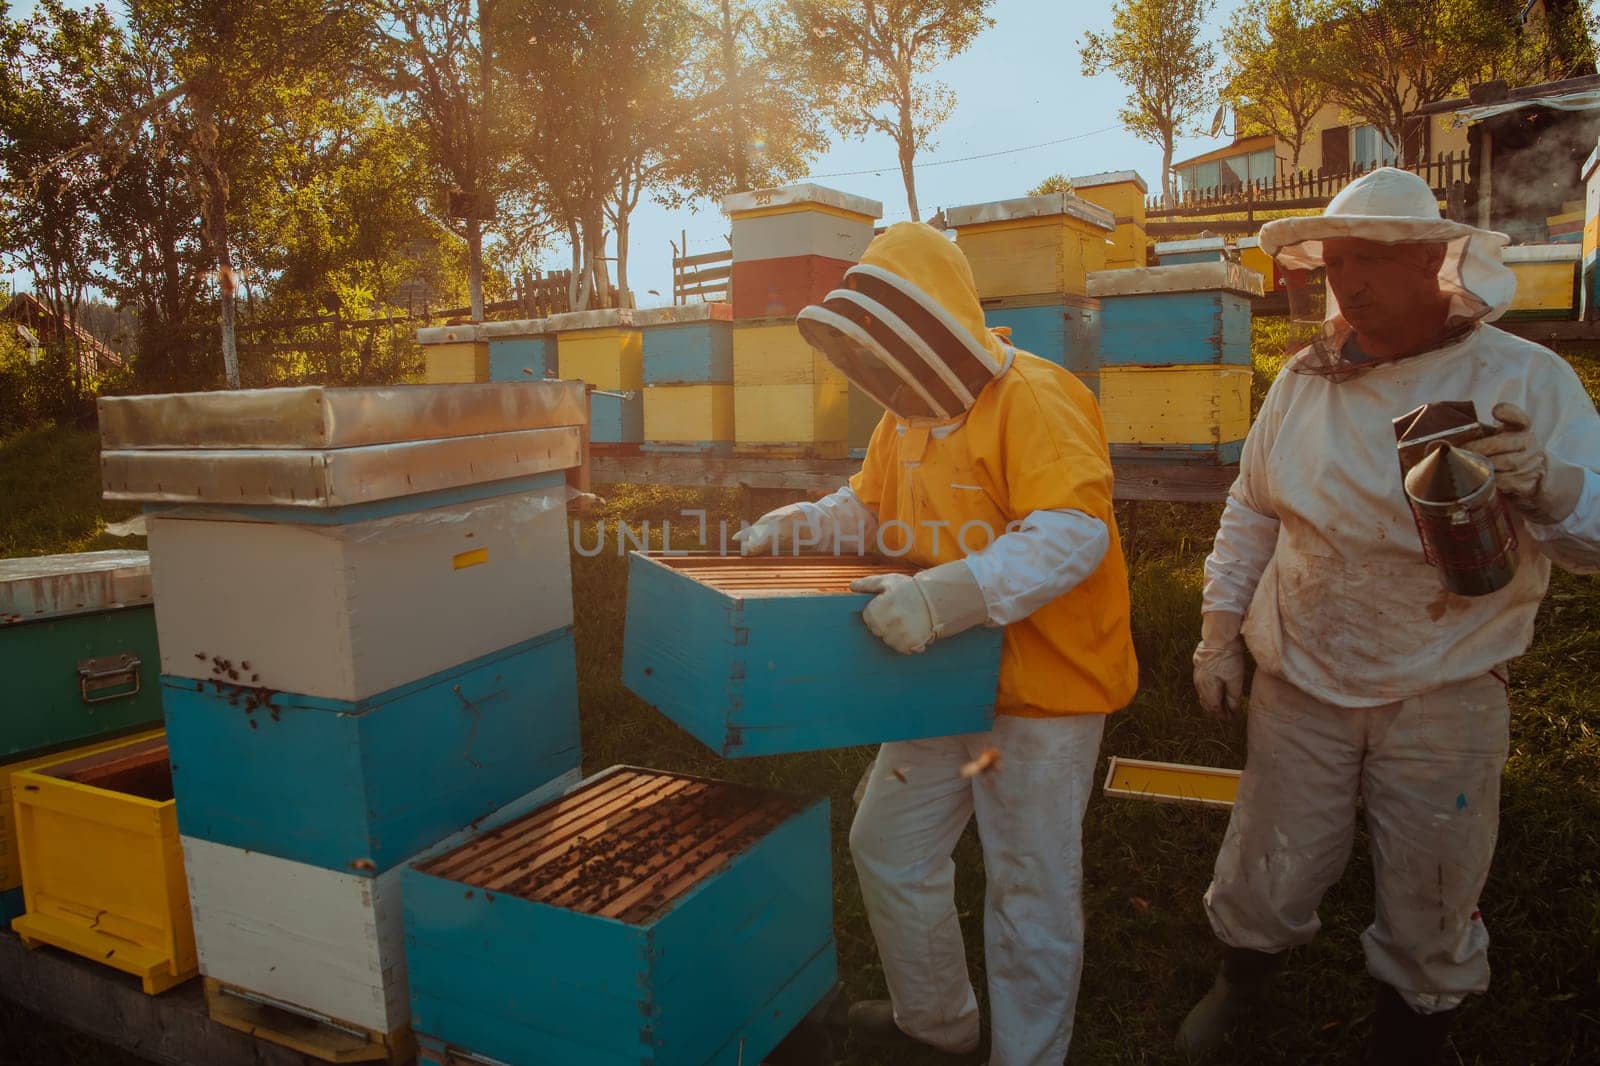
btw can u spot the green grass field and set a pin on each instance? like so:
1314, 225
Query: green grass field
1149, 952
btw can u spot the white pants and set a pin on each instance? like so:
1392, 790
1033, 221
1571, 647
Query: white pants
1427, 770
1030, 819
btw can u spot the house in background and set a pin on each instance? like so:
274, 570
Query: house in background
1334, 146
38, 327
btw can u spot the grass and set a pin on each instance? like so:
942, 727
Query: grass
1149, 952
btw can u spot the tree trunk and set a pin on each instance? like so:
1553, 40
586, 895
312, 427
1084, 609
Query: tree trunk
575, 278
730, 71
909, 177
475, 263
622, 251
225, 284
1168, 194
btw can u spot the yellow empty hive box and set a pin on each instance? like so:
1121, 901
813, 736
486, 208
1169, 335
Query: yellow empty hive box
611, 358
455, 363
1175, 406
10, 867
688, 413
1032, 246
102, 867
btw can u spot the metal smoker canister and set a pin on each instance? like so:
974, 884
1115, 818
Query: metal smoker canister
1465, 526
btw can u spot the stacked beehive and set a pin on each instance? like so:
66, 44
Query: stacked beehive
791, 247
1547, 280
688, 378
1030, 259
365, 609
1121, 192
605, 351
1175, 360
1566, 225
78, 652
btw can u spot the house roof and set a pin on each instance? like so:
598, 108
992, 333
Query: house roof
1243, 146
26, 309
1554, 94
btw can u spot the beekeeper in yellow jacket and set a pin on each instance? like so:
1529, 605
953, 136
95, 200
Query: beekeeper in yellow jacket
990, 470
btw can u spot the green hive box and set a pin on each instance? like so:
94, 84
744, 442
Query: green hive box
78, 658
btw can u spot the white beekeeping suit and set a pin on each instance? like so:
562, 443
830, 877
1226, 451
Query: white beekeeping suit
1373, 682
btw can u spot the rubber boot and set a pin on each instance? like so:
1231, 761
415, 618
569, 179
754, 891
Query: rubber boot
1404, 1037
1241, 979
872, 1022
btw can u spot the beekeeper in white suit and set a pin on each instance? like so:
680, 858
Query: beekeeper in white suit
990, 472
1373, 683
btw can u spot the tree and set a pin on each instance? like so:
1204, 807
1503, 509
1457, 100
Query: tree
1274, 83
757, 104
438, 55
53, 96
877, 53
1387, 58
1053, 184
1155, 48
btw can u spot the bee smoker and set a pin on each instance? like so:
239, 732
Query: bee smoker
1463, 523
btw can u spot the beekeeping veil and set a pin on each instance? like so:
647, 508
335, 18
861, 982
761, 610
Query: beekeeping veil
906, 327
1393, 206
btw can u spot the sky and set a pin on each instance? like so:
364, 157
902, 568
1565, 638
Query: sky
1020, 84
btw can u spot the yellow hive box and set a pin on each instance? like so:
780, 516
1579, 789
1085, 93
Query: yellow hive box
1547, 280
688, 413
611, 359
772, 352
1123, 194
1179, 405
10, 868
102, 867
457, 363
1033, 246
793, 419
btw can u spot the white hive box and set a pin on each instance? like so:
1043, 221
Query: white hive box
346, 541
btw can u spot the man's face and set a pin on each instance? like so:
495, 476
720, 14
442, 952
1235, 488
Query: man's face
1382, 289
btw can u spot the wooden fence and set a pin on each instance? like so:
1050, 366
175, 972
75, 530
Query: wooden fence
708, 276
332, 349
1304, 189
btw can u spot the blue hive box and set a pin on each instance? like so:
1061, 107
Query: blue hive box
1061, 328
616, 417
769, 655
688, 345
361, 785
644, 918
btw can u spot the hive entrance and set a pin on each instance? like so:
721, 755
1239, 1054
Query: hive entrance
624, 846
141, 770
782, 574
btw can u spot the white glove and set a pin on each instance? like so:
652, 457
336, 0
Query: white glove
775, 531
1545, 489
1219, 663
911, 611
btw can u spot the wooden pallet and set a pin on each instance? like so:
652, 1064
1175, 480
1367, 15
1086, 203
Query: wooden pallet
624, 846
302, 1030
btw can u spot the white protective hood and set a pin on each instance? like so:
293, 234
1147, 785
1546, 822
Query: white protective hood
1397, 207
